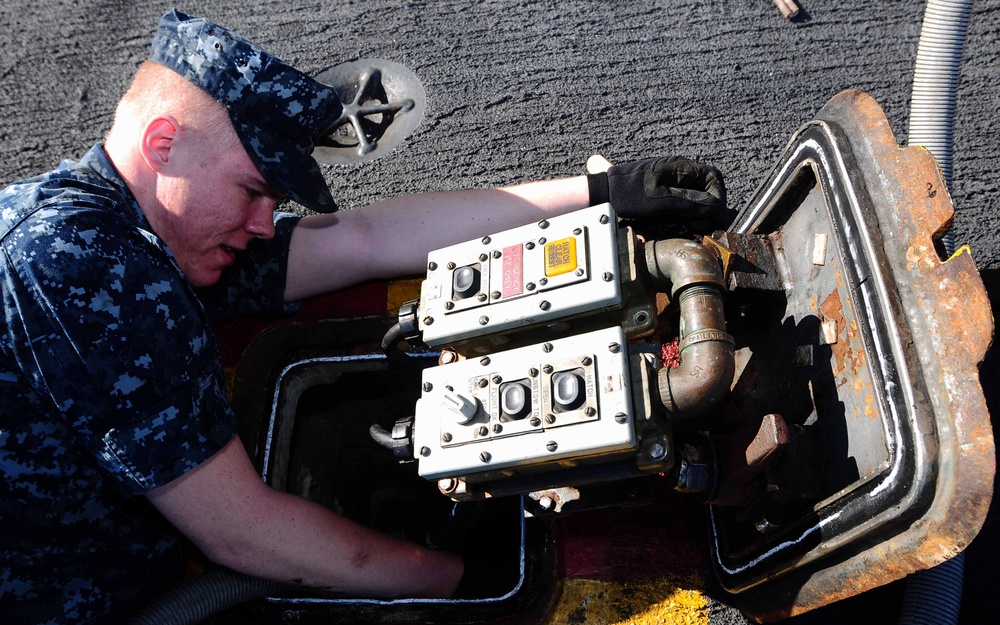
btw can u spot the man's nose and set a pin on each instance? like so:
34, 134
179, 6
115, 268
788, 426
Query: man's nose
261, 223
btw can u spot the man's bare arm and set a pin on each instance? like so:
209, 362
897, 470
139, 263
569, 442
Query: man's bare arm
392, 238
225, 509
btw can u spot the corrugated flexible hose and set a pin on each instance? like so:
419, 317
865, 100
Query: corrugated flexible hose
934, 596
199, 597
935, 82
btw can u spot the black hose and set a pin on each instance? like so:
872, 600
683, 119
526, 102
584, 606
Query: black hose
934, 596
198, 598
390, 343
382, 436
392, 338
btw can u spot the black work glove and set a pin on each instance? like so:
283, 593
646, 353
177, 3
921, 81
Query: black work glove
664, 191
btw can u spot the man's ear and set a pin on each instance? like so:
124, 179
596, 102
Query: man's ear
157, 143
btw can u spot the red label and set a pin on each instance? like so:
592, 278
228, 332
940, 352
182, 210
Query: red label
513, 280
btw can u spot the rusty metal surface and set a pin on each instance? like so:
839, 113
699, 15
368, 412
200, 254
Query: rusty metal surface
882, 338
748, 453
750, 263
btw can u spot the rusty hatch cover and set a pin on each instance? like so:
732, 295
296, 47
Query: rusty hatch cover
880, 340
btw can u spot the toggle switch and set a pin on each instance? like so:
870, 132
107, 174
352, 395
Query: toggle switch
463, 408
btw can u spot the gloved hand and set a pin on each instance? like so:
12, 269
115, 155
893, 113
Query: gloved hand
668, 190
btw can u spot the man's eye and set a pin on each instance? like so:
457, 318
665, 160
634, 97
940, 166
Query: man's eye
252, 193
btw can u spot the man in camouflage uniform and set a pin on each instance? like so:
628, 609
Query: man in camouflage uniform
113, 270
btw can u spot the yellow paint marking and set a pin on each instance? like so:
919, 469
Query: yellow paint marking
400, 292
651, 602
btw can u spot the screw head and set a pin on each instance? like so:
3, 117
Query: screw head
428, 321
427, 386
535, 422
547, 347
614, 348
621, 417
449, 305
481, 297
446, 437
550, 419
587, 361
496, 294
547, 368
425, 451
551, 446
485, 361
656, 450
545, 305
484, 320
607, 276
486, 240
485, 456
543, 224
483, 258
450, 265
431, 266
604, 219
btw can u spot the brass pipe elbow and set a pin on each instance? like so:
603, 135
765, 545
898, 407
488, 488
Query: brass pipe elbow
692, 276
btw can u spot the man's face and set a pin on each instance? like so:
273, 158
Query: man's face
215, 203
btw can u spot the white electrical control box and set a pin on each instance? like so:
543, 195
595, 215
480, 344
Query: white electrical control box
555, 268
554, 403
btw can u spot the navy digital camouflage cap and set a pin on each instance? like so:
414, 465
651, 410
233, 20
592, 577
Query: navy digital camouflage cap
277, 111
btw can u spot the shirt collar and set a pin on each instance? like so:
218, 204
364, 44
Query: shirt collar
98, 161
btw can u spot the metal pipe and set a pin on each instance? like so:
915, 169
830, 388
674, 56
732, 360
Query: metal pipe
691, 275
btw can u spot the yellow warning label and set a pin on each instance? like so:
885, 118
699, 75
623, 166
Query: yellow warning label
560, 257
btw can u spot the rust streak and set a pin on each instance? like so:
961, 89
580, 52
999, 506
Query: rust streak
832, 309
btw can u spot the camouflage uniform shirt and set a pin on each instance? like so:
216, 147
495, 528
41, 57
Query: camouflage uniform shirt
110, 385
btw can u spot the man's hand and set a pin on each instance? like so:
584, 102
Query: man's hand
669, 190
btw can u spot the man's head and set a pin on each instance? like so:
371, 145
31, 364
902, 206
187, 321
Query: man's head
180, 155
198, 168
278, 112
